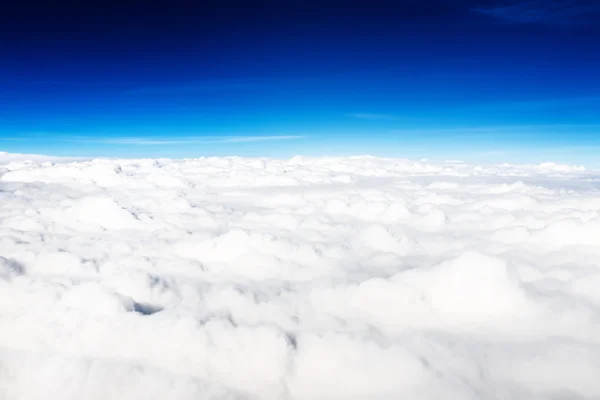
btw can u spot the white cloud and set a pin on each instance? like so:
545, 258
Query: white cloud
560, 12
242, 139
372, 116
6, 158
152, 141
308, 278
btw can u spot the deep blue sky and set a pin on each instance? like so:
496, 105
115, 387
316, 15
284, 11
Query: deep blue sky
506, 80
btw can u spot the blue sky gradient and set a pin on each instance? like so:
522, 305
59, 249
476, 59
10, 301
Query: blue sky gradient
481, 81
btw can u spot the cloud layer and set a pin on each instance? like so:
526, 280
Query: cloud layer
555, 12
161, 141
311, 278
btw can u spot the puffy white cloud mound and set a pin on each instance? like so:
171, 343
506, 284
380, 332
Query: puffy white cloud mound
311, 278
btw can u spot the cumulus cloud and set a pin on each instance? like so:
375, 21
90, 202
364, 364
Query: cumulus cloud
307, 278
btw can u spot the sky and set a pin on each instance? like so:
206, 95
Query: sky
506, 80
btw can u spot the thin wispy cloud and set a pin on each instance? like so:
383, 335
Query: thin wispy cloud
151, 141
372, 116
496, 131
554, 102
210, 85
546, 105
554, 12
247, 139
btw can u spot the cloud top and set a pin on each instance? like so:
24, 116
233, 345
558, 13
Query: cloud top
307, 278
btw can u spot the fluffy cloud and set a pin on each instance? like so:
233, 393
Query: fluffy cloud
310, 278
